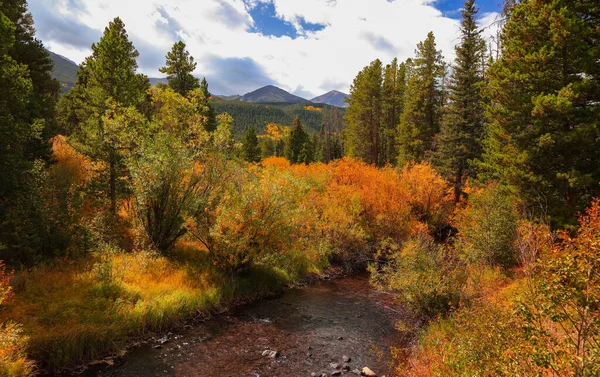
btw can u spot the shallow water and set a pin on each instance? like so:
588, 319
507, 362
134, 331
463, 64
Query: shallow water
310, 328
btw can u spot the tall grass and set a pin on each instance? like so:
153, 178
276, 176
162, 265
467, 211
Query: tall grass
77, 311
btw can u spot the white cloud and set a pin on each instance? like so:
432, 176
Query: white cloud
356, 32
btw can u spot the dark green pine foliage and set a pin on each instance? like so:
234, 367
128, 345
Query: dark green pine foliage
544, 137
27, 95
28, 50
329, 146
421, 116
109, 74
212, 117
179, 68
250, 148
394, 85
15, 130
295, 150
363, 115
463, 125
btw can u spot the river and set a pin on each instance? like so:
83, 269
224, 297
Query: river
310, 328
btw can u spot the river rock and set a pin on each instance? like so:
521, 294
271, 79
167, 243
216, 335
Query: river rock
334, 365
346, 359
270, 354
345, 367
368, 372
336, 373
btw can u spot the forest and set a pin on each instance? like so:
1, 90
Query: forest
470, 192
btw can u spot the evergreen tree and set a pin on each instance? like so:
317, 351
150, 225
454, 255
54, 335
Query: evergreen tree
363, 116
106, 77
394, 85
462, 129
15, 130
179, 68
29, 51
331, 127
212, 118
295, 143
544, 138
420, 119
250, 148
27, 229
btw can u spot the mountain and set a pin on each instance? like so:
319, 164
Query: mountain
65, 71
271, 94
333, 98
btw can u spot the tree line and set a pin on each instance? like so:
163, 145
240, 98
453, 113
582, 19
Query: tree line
528, 119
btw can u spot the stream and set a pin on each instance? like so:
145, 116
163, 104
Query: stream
310, 328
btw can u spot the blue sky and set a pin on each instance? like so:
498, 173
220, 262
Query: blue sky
307, 47
267, 22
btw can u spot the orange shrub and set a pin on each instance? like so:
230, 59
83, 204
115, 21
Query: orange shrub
384, 199
428, 194
280, 162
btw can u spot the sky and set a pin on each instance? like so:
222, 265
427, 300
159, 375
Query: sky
307, 47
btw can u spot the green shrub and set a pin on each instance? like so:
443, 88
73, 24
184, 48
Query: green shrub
427, 277
488, 228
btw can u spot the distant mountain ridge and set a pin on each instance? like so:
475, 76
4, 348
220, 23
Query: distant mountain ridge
271, 94
333, 98
65, 71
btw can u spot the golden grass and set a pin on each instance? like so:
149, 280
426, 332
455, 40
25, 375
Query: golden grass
74, 312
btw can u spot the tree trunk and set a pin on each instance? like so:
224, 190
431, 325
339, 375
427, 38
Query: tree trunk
113, 186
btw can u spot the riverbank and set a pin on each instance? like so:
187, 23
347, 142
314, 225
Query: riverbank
75, 312
339, 325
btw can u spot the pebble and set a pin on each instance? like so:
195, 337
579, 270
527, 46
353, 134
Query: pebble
368, 372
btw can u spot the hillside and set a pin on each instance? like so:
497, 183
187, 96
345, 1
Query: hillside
65, 71
247, 115
271, 94
333, 98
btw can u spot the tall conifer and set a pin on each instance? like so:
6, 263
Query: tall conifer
363, 116
420, 119
107, 76
179, 68
462, 128
544, 137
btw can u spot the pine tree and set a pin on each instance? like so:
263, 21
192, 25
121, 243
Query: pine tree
296, 142
331, 127
212, 118
15, 130
28, 50
107, 76
463, 125
420, 119
250, 150
363, 116
544, 138
394, 85
179, 68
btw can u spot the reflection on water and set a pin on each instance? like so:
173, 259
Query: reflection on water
310, 328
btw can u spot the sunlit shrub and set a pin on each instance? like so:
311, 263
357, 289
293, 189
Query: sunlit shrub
265, 217
428, 195
384, 201
164, 184
561, 313
13, 359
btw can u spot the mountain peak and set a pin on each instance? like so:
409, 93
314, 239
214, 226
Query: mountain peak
271, 94
333, 98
